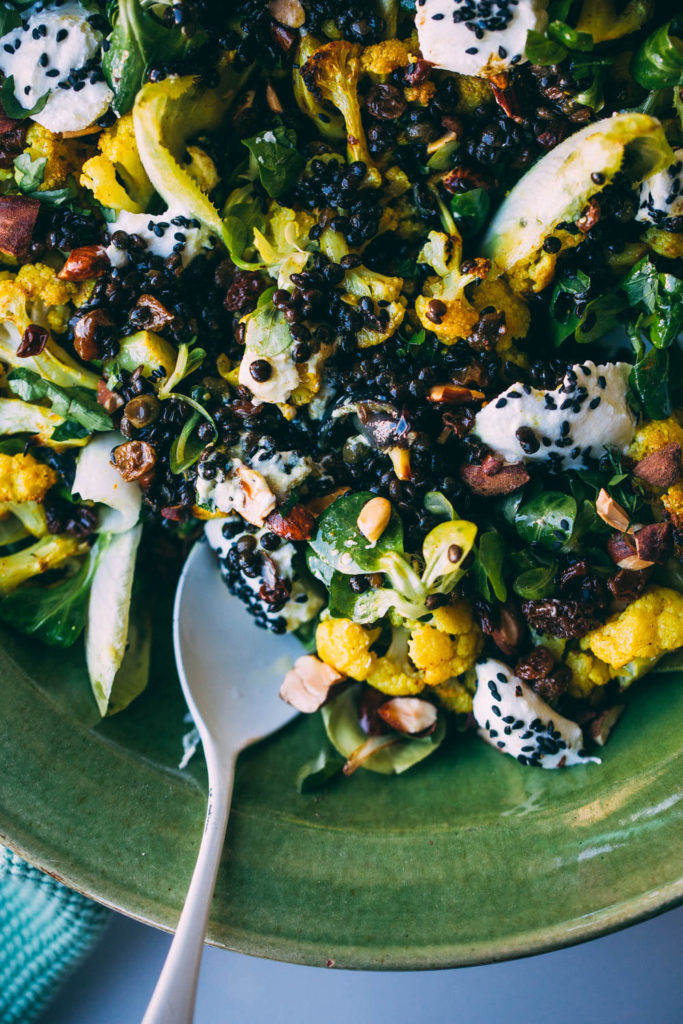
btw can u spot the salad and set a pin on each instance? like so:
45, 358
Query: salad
385, 301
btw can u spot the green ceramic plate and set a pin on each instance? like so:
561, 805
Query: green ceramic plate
468, 858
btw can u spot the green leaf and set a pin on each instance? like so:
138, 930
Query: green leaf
55, 614
535, 584
267, 331
547, 520
276, 158
340, 717
471, 209
9, 18
660, 295
75, 403
138, 41
601, 315
437, 504
339, 544
187, 447
563, 318
491, 556
11, 105
569, 37
69, 430
541, 50
658, 63
316, 772
649, 381
28, 173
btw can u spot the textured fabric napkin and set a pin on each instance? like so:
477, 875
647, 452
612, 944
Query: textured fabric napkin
45, 930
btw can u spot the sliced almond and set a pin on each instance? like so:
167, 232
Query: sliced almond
365, 751
308, 683
374, 518
634, 563
288, 12
273, 100
443, 140
408, 714
318, 505
256, 500
602, 726
454, 394
611, 512
400, 460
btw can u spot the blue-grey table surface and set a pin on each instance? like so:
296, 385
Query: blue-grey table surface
630, 976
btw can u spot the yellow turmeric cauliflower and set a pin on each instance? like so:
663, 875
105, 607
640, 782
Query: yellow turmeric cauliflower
23, 478
345, 645
447, 645
672, 500
116, 176
385, 57
454, 696
36, 295
63, 156
587, 673
654, 435
648, 627
497, 293
456, 316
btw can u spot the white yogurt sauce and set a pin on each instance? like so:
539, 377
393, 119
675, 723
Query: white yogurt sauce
661, 195
283, 380
515, 720
161, 236
302, 604
46, 54
480, 50
587, 412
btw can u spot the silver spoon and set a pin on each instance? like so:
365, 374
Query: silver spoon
230, 672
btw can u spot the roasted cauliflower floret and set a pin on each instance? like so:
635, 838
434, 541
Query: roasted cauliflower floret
446, 646
444, 308
382, 58
331, 74
672, 500
345, 645
394, 678
587, 673
454, 696
116, 176
36, 295
60, 154
23, 478
497, 293
654, 435
647, 628
50, 552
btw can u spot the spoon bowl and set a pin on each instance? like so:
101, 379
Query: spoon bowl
230, 671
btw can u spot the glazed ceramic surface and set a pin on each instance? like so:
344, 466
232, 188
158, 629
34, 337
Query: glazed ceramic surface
467, 858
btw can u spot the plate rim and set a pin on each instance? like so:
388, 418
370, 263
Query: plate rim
532, 942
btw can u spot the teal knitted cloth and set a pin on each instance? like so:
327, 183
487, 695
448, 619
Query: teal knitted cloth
45, 930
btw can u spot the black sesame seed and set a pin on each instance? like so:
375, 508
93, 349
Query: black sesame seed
43, 60
501, 402
472, 49
62, 34
594, 403
52, 73
501, 677
602, 383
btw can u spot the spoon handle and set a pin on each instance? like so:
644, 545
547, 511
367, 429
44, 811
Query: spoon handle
174, 996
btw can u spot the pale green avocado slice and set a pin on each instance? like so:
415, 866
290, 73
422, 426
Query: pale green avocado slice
559, 186
168, 113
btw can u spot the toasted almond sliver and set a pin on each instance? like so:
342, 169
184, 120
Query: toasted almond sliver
374, 518
400, 460
611, 512
288, 12
308, 683
408, 714
634, 563
454, 394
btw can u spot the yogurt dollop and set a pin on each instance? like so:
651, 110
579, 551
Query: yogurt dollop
515, 720
661, 195
585, 414
477, 37
56, 50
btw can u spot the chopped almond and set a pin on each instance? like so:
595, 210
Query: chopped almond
18, 216
288, 12
318, 505
374, 518
257, 501
601, 727
611, 512
400, 460
454, 394
109, 400
408, 714
634, 563
506, 480
661, 468
308, 683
